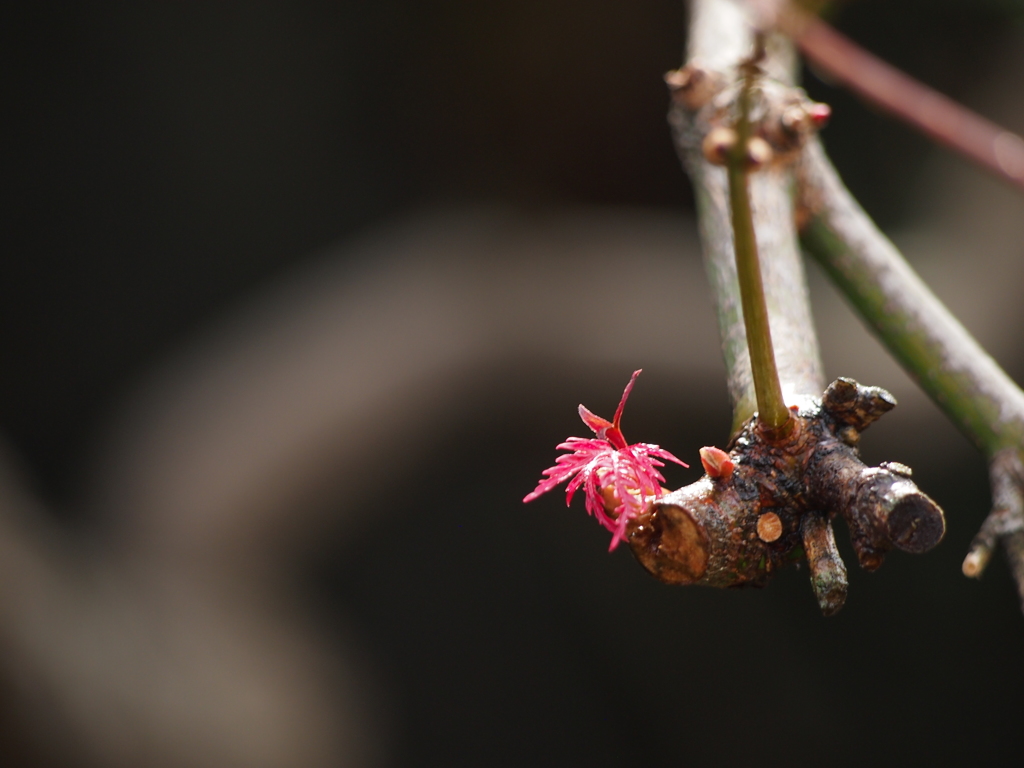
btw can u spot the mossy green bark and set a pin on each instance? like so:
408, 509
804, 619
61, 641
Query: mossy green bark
930, 344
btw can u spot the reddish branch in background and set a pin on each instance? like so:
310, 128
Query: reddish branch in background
938, 116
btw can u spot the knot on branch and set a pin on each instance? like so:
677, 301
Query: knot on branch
1005, 523
775, 507
782, 117
855, 407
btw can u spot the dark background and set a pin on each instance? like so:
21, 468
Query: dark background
163, 160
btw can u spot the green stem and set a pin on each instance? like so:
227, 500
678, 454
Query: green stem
771, 406
918, 330
720, 38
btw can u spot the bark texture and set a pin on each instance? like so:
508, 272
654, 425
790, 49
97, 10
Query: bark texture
931, 344
774, 508
737, 528
720, 38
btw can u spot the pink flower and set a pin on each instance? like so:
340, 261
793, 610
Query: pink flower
609, 469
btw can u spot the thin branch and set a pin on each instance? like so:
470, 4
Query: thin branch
1006, 520
936, 115
771, 407
916, 327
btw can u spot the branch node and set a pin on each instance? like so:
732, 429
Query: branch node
692, 86
828, 572
1005, 523
882, 508
856, 405
775, 508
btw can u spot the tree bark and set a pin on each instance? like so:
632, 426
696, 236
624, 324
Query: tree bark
931, 345
775, 505
720, 37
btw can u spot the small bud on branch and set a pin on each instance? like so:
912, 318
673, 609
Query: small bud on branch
719, 144
691, 86
716, 462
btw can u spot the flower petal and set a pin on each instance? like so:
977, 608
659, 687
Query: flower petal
595, 422
625, 396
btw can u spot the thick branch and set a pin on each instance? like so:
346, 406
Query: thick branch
720, 38
774, 505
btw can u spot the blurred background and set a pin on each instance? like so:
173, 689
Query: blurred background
296, 301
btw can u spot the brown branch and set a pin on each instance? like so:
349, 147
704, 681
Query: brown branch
775, 506
934, 114
828, 572
1005, 522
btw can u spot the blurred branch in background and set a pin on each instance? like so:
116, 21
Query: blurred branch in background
939, 117
173, 624
173, 641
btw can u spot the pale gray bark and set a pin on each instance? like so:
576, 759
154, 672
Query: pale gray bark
720, 37
919, 331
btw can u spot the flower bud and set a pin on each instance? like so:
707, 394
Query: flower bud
716, 462
759, 153
691, 86
819, 114
718, 144
805, 118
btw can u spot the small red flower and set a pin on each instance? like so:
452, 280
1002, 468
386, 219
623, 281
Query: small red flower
608, 465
